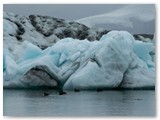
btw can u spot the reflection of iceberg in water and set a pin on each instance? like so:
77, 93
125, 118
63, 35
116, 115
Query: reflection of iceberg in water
116, 61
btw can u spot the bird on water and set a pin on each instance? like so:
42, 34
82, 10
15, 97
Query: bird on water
45, 94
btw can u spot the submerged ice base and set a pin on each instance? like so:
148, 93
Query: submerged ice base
117, 60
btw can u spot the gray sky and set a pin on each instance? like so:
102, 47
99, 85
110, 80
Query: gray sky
65, 11
84, 12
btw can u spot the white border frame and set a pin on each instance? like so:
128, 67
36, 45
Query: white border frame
81, 2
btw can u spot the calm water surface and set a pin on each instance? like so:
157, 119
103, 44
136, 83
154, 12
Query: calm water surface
84, 103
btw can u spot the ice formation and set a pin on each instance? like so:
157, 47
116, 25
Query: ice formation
117, 60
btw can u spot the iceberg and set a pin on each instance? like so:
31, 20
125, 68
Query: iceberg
117, 60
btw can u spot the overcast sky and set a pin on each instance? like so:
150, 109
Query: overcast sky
66, 11
88, 13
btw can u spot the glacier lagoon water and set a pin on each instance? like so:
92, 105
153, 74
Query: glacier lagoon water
81, 104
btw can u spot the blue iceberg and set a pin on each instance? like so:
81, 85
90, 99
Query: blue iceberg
117, 60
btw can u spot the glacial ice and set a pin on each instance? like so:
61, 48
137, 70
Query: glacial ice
143, 50
117, 60
30, 52
9, 27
